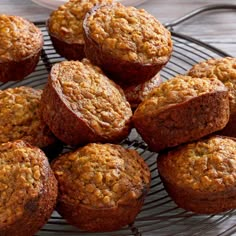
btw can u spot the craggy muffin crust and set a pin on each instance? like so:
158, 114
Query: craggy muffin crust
20, 117
19, 38
126, 42
201, 176
180, 110
65, 27
136, 94
119, 27
20, 45
101, 186
80, 105
223, 69
66, 22
28, 189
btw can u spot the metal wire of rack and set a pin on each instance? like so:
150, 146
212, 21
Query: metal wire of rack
159, 215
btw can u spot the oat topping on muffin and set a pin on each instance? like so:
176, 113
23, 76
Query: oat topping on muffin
103, 175
102, 187
130, 45
129, 33
21, 43
178, 90
28, 189
208, 164
223, 69
180, 110
20, 117
66, 22
89, 106
19, 173
19, 38
89, 95
201, 176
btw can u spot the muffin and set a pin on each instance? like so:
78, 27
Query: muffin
223, 69
20, 118
28, 189
135, 94
20, 46
81, 105
181, 110
65, 27
201, 176
101, 186
129, 44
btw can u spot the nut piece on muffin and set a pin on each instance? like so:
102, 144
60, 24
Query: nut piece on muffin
81, 105
181, 110
101, 186
65, 27
135, 94
28, 189
20, 118
201, 176
20, 46
223, 69
129, 44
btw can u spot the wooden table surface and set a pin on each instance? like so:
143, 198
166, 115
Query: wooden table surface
216, 27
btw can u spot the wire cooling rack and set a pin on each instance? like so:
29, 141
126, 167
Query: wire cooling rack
159, 215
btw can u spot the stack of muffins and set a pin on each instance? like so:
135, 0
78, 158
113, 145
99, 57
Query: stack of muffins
109, 84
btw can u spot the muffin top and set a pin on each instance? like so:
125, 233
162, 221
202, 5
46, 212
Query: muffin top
223, 69
206, 165
66, 22
21, 173
128, 33
20, 117
19, 38
178, 90
101, 175
91, 96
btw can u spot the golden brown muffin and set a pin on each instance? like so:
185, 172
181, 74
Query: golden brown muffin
223, 69
20, 46
201, 176
28, 189
20, 118
101, 186
81, 105
181, 110
65, 27
135, 94
129, 44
